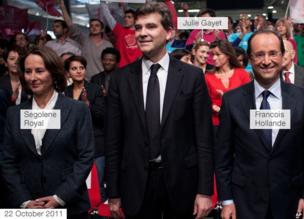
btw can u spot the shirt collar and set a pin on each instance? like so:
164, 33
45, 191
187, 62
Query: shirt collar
49, 105
275, 89
164, 63
291, 70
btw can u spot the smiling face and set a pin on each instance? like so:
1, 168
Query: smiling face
201, 55
109, 62
266, 58
38, 79
151, 36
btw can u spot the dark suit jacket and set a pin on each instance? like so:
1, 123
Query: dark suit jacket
99, 79
3, 107
6, 85
97, 109
186, 137
252, 174
67, 157
299, 76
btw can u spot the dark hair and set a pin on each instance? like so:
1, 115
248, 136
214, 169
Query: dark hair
100, 22
10, 49
67, 53
225, 47
265, 32
52, 63
240, 51
180, 53
62, 23
156, 7
130, 11
73, 58
110, 50
209, 11
20, 33
3, 43
230, 19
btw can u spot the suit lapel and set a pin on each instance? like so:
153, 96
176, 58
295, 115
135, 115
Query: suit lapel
135, 81
174, 79
26, 133
50, 134
248, 104
288, 102
299, 76
69, 91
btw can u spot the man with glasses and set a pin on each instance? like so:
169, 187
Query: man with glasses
292, 73
260, 171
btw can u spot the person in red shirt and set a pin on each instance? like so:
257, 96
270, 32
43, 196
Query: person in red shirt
124, 36
226, 75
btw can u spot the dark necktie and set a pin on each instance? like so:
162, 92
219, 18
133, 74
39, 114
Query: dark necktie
286, 77
153, 112
267, 133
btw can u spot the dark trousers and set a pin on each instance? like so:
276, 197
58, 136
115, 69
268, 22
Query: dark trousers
269, 213
84, 215
156, 203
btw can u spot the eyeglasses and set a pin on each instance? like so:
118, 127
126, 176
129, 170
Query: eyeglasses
259, 56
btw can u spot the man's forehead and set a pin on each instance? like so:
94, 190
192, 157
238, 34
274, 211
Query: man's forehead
264, 38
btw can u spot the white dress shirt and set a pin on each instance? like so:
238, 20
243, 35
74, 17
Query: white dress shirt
291, 75
38, 135
162, 75
274, 99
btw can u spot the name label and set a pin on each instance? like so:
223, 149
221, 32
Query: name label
269, 119
40, 119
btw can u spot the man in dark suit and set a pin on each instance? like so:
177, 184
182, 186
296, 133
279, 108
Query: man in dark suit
260, 171
159, 133
291, 73
110, 58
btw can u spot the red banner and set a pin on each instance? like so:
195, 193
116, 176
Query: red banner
49, 6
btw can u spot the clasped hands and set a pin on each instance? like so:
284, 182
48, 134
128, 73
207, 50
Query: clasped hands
43, 202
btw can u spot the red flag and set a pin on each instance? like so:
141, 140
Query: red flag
49, 6
12, 20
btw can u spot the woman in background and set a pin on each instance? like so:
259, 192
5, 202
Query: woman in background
200, 52
91, 95
10, 83
226, 75
284, 27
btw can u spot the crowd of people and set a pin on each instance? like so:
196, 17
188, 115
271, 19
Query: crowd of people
161, 112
